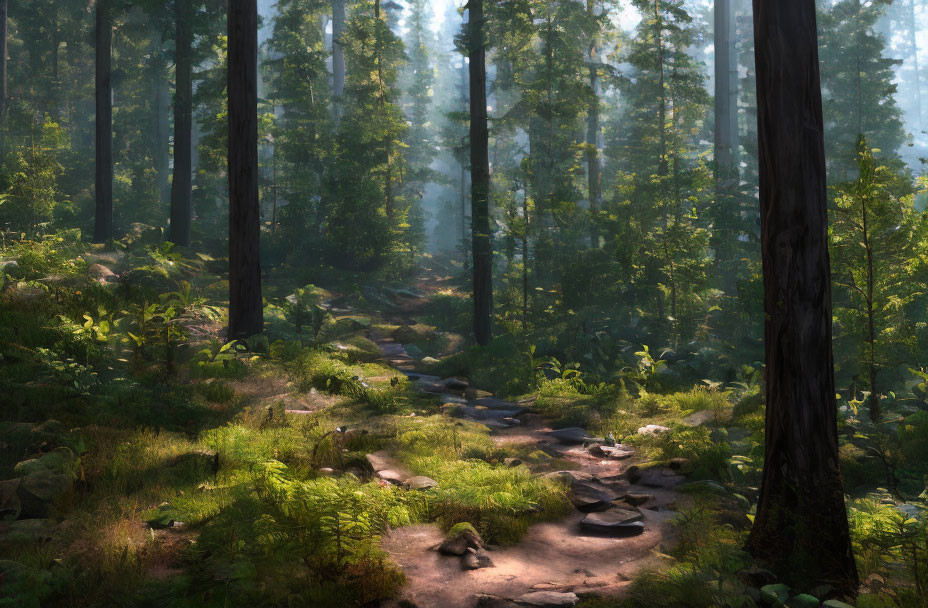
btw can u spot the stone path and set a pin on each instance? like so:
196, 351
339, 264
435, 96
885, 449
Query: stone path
622, 513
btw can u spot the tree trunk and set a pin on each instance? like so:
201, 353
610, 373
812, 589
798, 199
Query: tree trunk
182, 185
246, 315
338, 51
3, 52
913, 43
103, 219
594, 179
160, 120
726, 144
801, 529
480, 177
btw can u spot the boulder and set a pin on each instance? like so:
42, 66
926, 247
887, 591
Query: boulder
10, 506
26, 530
757, 577
774, 595
40, 489
454, 384
615, 521
803, 600
159, 518
391, 477
512, 462
460, 538
633, 474
99, 271
706, 486
836, 604
421, 482
618, 452
548, 599
588, 498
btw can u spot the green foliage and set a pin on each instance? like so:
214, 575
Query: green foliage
29, 193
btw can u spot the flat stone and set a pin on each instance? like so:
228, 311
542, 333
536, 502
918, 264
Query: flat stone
380, 461
653, 429
485, 600
636, 500
495, 403
618, 452
573, 434
390, 477
617, 521
421, 482
587, 497
473, 394
659, 478
453, 399
456, 384
430, 387
548, 599
476, 559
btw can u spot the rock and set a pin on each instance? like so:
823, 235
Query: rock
573, 434
565, 477
430, 387
653, 429
391, 477
460, 538
637, 500
99, 271
26, 530
472, 394
679, 464
633, 474
379, 461
455, 384
327, 471
49, 427
618, 452
199, 462
39, 489
774, 595
160, 518
475, 559
803, 600
421, 482
453, 400
407, 334
485, 600
757, 577
10, 506
588, 498
495, 403
836, 604
429, 361
512, 462
548, 599
596, 451
622, 522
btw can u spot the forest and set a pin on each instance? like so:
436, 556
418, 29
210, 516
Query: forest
464, 303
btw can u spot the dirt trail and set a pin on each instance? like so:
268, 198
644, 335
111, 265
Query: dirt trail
557, 556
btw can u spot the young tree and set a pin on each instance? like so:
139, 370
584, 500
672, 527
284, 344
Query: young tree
182, 184
873, 238
103, 219
3, 52
246, 313
480, 175
801, 527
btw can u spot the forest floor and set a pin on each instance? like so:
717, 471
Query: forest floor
361, 454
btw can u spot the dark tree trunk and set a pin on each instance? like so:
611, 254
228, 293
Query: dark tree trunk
103, 219
480, 176
726, 144
160, 121
246, 314
801, 528
338, 51
182, 186
3, 52
594, 180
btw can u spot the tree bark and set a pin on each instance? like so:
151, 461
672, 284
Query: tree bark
338, 51
726, 144
246, 315
103, 219
594, 173
480, 176
160, 121
801, 528
182, 185
3, 77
